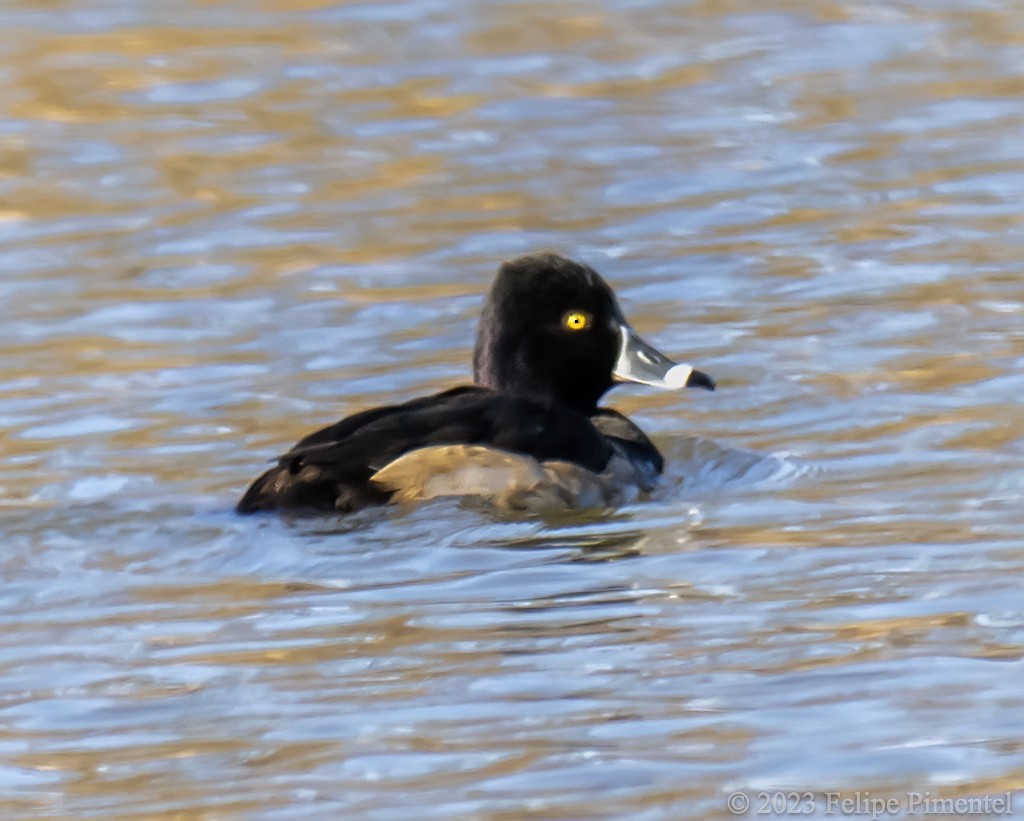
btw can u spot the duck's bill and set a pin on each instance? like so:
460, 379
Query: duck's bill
643, 363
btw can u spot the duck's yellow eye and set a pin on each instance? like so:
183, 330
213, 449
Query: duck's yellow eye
576, 320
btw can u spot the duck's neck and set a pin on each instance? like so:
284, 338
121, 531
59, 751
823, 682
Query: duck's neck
507, 365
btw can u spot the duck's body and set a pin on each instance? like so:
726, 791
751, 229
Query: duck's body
529, 434
511, 447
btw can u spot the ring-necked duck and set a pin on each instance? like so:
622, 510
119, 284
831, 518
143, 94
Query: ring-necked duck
528, 435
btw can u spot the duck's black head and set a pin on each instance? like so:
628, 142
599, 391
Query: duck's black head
551, 329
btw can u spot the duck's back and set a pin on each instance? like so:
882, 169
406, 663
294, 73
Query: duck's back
334, 469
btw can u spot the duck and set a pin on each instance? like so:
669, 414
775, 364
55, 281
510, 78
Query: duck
529, 434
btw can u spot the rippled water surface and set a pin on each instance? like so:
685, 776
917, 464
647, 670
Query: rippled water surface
223, 224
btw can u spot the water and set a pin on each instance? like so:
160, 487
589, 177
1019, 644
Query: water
224, 224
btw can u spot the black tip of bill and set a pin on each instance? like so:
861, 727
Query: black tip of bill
699, 379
